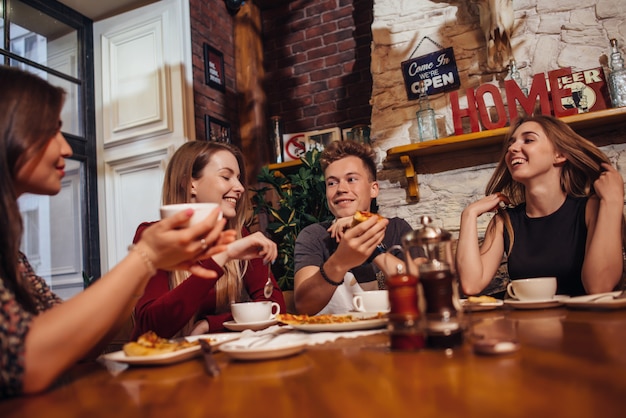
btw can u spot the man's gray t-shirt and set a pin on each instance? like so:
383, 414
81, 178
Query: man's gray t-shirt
314, 245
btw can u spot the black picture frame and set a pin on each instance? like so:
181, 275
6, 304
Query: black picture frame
214, 68
216, 130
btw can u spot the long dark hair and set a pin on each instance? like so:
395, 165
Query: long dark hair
29, 118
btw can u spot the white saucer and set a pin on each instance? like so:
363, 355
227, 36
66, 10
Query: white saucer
558, 300
254, 326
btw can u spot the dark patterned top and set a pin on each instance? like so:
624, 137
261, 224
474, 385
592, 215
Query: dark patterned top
14, 325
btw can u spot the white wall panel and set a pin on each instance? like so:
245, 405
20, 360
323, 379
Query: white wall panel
134, 191
144, 111
136, 89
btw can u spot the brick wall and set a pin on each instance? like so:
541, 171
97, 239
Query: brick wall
317, 62
211, 23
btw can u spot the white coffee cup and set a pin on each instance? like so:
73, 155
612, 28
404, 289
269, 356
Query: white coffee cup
247, 312
371, 301
200, 211
538, 288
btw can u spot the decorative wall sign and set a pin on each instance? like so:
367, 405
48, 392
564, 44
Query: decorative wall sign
438, 71
585, 91
216, 130
214, 68
559, 93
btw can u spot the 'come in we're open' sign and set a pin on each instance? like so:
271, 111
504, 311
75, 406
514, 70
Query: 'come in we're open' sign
437, 70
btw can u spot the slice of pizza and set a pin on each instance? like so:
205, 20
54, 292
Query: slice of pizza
149, 344
362, 216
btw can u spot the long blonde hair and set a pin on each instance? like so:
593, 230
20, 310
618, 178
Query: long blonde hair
187, 164
582, 168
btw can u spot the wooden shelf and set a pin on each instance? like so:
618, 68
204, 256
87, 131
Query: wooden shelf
286, 166
409, 154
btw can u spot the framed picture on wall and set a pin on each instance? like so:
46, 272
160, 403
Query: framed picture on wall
216, 130
214, 68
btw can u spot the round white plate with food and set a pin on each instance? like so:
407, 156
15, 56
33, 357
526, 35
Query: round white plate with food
334, 323
217, 339
480, 303
155, 359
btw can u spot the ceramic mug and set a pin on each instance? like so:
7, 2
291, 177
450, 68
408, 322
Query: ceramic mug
247, 312
200, 211
539, 288
371, 301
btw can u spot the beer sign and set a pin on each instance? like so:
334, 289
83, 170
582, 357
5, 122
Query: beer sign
437, 70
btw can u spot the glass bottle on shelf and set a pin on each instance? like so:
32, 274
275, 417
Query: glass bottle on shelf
617, 76
276, 139
514, 75
426, 122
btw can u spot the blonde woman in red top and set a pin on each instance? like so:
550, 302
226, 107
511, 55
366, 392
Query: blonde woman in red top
181, 304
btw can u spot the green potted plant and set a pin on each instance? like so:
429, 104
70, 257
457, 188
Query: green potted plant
291, 203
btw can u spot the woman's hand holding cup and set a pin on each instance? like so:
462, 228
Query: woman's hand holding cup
172, 246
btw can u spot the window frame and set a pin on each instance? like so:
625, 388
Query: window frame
84, 147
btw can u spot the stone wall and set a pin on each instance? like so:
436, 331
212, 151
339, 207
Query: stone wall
547, 35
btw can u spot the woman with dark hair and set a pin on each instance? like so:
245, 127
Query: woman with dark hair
178, 304
565, 217
41, 336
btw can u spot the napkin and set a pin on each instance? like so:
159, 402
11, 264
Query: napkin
280, 336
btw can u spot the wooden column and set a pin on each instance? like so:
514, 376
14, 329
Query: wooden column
250, 93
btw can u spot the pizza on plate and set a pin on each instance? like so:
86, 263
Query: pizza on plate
150, 344
481, 299
293, 319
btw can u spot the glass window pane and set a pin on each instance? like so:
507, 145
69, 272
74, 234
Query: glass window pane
53, 231
1, 27
71, 114
42, 39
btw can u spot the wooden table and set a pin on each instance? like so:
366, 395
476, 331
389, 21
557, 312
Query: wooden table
571, 364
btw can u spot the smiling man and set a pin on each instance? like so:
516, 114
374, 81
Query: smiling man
334, 260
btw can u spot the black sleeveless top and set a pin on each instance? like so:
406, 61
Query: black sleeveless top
552, 245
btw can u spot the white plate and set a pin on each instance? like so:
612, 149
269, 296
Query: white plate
558, 300
598, 301
263, 353
254, 326
158, 359
345, 326
216, 339
480, 306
